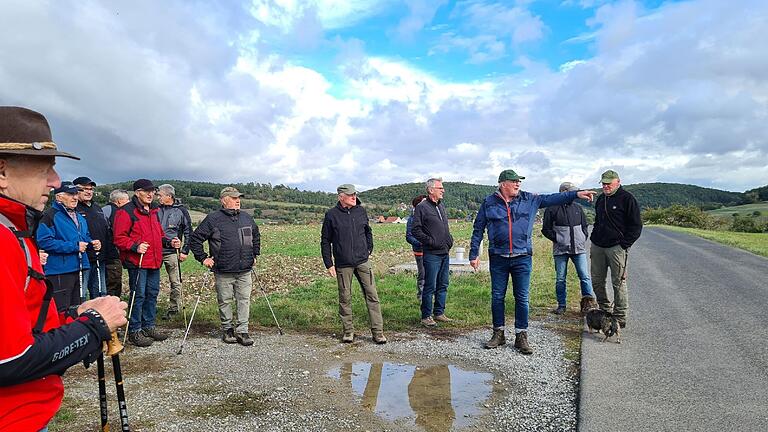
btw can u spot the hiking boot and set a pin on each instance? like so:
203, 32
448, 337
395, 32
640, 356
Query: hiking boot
349, 337
587, 304
139, 339
442, 318
229, 336
378, 337
521, 343
560, 310
244, 339
428, 322
497, 339
155, 334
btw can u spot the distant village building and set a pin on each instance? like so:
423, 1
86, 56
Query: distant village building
390, 219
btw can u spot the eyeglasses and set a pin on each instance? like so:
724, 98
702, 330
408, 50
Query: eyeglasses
607, 184
85, 189
150, 192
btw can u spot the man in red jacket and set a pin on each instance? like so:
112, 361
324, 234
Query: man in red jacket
36, 344
139, 237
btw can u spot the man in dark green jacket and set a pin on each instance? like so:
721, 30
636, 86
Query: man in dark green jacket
617, 226
346, 238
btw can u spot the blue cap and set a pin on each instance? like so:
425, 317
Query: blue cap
66, 187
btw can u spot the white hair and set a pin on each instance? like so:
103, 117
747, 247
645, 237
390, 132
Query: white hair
167, 189
117, 194
431, 182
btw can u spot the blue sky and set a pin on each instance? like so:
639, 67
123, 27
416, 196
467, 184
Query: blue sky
315, 93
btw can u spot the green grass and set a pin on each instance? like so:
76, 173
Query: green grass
304, 297
756, 243
742, 210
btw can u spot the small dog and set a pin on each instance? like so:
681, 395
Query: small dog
603, 321
587, 304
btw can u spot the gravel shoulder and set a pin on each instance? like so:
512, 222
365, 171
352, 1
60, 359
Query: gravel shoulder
282, 383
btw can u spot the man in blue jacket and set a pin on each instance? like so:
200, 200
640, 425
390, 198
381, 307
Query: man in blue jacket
63, 233
509, 215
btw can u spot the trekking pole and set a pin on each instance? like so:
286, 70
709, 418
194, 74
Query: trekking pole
82, 285
189, 326
181, 288
133, 297
102, 392
100, 368
261, 288
114, 347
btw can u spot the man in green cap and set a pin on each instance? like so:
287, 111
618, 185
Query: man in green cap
617, 226
346, 243
509, 215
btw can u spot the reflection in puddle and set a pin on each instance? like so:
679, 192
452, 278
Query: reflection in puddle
434, 397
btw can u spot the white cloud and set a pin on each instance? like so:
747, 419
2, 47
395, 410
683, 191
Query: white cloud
672, 94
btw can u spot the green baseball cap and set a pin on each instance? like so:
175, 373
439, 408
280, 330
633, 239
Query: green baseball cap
347, 188
609, 176
229, 191
509, 174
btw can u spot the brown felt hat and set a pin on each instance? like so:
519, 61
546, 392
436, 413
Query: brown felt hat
26, 132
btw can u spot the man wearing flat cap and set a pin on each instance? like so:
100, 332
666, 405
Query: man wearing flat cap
139, 238
346, 243
618, 225
566, 227
37, 345
234, 243
509, 215
98, 227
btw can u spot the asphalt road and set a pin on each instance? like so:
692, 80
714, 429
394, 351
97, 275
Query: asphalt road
694, 355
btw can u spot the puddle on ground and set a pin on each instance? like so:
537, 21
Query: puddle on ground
435, 398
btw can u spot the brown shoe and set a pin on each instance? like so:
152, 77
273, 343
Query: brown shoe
155, 334
378, 337
244, 339
139, 339
521, 343
428, 322
443, 318
229, 336
497, 339
587, 304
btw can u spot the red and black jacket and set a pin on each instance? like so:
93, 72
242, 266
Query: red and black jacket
36, 344
134, 225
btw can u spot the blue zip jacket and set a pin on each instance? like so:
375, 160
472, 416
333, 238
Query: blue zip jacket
510, 225
415, 244
59, 237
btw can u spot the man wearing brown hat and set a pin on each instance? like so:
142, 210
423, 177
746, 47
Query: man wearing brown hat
37, 344
234, 243
617, 227
346, 243
509, 215
139, 237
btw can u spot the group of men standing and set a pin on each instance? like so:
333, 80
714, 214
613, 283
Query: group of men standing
86, 248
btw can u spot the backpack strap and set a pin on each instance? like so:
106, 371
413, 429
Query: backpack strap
31, 273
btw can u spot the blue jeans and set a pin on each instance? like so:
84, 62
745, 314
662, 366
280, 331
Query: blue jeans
561, 271
435, 284
520, 269
92, 282
145, 286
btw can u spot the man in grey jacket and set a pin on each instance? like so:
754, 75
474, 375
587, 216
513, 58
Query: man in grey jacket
176, 222
566, 226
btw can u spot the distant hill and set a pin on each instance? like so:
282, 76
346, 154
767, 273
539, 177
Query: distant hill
285, 204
